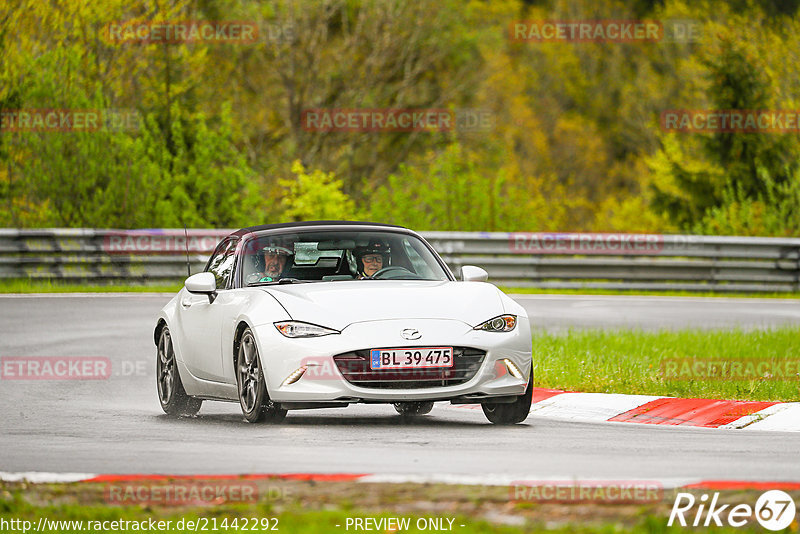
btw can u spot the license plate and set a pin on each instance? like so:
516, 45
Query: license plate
414, 358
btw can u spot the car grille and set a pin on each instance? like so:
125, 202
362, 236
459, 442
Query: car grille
354, 366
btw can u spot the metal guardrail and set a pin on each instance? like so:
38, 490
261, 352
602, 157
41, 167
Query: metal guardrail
540, 260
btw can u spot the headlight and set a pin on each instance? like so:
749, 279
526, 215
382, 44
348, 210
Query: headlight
300, 329
501, 323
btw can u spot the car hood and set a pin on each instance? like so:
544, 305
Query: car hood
338, 304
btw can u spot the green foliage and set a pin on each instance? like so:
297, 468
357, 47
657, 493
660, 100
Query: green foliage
451, 191
315, 196
732, 182
574, 142
111, 179
206, 181
775, 213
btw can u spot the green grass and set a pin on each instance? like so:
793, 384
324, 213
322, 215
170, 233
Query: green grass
224, 518
589, 291
16, 285
630, 361
27, 285
321, 509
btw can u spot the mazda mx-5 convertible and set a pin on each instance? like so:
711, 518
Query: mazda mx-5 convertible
326, 314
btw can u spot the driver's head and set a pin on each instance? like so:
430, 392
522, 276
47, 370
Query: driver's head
372, 263
275, 259
371, 258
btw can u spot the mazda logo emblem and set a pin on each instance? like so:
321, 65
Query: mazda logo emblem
410, 333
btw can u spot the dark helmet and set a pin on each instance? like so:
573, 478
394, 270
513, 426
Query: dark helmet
374, 247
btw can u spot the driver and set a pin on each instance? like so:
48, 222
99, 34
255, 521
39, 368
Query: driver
371, 259
274, 259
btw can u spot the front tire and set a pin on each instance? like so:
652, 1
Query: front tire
510, 413
173, 398
253, 397
412, 409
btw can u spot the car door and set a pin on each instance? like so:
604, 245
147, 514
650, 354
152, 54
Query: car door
204, 322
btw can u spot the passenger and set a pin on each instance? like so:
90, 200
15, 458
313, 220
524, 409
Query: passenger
371, 259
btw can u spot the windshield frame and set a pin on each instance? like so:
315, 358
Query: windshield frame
238, 275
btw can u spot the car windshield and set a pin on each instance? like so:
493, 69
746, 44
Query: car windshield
336, 255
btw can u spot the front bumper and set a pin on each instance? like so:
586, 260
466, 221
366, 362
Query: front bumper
323, 380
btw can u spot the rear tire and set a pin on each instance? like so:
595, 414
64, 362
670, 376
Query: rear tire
253, 397
173, 398
510, 413
412, 409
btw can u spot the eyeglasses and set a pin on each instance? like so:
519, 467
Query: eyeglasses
372, 259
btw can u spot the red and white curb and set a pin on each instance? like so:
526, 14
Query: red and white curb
430, 478
671, 411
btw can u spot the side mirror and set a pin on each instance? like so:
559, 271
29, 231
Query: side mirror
203, 284
470, 273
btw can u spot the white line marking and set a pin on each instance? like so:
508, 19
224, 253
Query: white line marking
594, 407
37, 477
783, 417
502, 479
600, 407
746, 420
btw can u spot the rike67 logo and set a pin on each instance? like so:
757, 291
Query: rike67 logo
774, 510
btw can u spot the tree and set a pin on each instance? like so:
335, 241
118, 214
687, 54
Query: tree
315, 196
709, 177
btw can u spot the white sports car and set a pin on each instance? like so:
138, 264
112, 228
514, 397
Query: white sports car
326, 314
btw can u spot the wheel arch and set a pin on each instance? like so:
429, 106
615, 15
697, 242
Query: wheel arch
241, 326
159, 327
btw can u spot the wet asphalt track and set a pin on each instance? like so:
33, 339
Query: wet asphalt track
116, 426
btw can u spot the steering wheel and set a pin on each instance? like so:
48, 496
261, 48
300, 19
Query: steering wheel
390, 269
